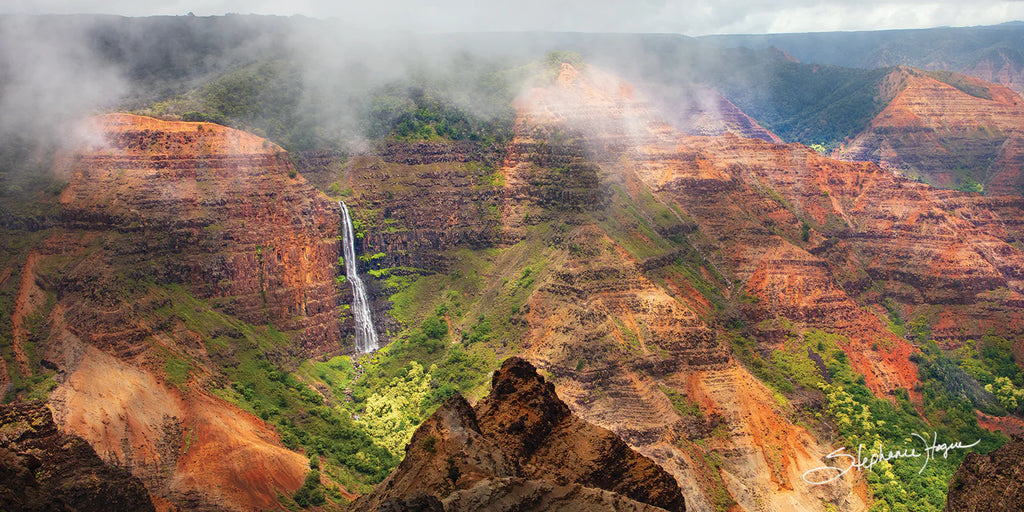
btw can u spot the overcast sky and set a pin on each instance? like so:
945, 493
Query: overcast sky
679, 16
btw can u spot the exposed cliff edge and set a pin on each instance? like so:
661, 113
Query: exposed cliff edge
989, 482
522, 447
173, 234
218, 210
43, 469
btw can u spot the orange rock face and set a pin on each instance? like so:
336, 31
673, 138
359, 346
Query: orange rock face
945, 133
220, 207
816, 241
220, 214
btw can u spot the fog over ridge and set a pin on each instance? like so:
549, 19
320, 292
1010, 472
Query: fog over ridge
643, 16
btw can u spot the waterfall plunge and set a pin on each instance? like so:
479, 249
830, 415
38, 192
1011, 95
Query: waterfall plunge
366, 334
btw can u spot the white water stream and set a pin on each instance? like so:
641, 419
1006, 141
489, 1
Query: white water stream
366, 334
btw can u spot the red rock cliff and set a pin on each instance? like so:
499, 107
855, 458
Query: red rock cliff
216, 209
156, 212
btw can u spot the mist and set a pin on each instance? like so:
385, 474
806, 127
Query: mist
306, 84
643, 16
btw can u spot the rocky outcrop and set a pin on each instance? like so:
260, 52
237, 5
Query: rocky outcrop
527, 419
520, 448
43, 469
989, 482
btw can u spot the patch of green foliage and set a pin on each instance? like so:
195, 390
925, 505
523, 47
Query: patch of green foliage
962, 82
630, 224
682, 404
249, 357
392, 413
814, 361
263, 97
894, 320
992, 363
177, 370
426, 108
968, 184
948, 389
38, 384
631, 337
27, 180
311, 493
478, 332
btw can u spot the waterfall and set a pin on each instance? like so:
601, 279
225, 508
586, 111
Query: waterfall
366, 335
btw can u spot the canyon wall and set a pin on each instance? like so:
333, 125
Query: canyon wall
172, 234
946, 129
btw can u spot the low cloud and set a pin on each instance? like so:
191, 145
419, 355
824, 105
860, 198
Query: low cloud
685, 17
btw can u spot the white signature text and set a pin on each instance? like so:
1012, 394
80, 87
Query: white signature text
861, 461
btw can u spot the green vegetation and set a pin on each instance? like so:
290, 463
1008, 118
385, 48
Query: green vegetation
894, 319
177, 370
392, 414
412, 112
37, 384
1009, 396
312, 491
817, 105
263, 97
967, 184
992, 364
682, 404
277, 99
247, 355
964, 83
813, 360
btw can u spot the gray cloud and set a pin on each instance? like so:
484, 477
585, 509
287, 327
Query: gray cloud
50, 75
677, 16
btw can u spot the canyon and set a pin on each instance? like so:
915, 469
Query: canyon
639, 299
614, 325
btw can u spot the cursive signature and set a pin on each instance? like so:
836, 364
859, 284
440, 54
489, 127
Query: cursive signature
930, 450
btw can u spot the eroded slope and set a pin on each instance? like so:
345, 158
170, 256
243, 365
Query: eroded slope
175, 239
952, 130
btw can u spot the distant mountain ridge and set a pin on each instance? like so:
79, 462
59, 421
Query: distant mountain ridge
992, 53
